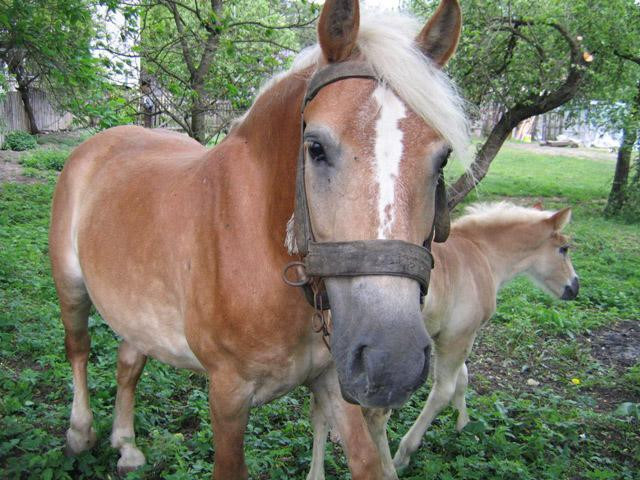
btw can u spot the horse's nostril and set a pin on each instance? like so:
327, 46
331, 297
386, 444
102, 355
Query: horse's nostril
575, 286
357, 361
571, 291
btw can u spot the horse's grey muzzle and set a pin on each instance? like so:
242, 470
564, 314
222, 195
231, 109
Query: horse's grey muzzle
379, 343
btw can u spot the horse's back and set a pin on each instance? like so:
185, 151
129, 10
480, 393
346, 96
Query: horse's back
107, 162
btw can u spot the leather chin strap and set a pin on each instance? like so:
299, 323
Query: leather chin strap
357, 258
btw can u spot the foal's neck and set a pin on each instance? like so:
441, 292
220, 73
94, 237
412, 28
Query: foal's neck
508, 251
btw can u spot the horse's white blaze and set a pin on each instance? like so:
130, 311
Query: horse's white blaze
388, 153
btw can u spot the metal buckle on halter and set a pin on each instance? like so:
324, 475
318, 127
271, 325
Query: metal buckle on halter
316, 296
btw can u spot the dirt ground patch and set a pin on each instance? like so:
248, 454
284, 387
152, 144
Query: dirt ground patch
617, 346
11, 170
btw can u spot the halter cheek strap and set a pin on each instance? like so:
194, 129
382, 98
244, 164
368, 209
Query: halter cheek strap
328, 75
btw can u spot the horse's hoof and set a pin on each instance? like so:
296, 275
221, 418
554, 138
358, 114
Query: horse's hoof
130, 459
78, 442
461, 423
400, 460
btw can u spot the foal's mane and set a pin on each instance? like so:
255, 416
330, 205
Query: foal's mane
386, 43
498, 214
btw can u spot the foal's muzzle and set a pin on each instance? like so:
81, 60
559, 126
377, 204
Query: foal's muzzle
571, 290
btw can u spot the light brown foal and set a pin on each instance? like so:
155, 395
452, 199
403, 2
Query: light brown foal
181, 249
486, 249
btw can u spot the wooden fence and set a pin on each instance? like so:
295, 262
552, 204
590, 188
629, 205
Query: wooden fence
48, 119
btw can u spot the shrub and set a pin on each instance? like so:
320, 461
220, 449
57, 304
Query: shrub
46, 159
19, 141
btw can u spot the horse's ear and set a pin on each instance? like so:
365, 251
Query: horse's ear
338, 28
538, 206
438, 39
560, 219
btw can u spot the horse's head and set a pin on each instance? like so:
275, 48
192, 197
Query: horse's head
373, 152
551, 266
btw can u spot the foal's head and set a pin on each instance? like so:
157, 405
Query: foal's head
373, 151
551, 267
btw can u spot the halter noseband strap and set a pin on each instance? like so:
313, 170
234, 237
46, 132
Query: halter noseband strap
356, 258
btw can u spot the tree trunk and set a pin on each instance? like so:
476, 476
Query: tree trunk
484, 156
619, 185
28, 108
617, 195
198, 116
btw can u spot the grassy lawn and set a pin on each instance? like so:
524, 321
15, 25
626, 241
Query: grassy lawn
579, 419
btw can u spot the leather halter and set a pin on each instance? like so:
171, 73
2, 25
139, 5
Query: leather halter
364, 257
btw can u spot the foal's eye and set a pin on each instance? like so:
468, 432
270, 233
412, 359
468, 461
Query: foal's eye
316, 152
564, 249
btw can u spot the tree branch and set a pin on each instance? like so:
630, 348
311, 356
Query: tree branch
531, 106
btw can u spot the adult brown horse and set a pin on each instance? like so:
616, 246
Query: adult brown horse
181, 250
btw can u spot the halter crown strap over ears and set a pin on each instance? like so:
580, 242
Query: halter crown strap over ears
334, 72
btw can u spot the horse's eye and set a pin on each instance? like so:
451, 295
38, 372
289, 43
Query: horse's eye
564, 249
316, 152
445, 158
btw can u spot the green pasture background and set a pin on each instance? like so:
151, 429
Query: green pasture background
580, 422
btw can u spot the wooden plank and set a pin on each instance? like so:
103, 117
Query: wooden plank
47, 117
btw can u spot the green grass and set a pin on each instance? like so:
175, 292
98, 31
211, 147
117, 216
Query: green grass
517, 172
45, 159
558, 430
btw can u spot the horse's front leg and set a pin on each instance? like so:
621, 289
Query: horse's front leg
377, 419
320, 432
229, 403
360, 450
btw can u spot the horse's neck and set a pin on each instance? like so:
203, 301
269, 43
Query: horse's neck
506, 259
270, 135
272, 126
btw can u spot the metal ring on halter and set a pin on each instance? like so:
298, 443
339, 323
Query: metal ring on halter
295, 283
317, 322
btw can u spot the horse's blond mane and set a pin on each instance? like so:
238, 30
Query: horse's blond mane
387, 44
498, 214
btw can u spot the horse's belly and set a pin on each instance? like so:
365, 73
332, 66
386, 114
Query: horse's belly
155, 330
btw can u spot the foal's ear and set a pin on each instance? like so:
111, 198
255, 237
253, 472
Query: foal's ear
338, 28
438, 39
538, 206
560, 219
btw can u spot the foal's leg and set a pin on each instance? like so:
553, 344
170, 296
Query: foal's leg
130, 365
377, 419
229, 404
320, 432
448, 361
459, 401
75, 306
360, 450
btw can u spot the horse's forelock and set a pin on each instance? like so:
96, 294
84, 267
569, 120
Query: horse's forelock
386, 42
